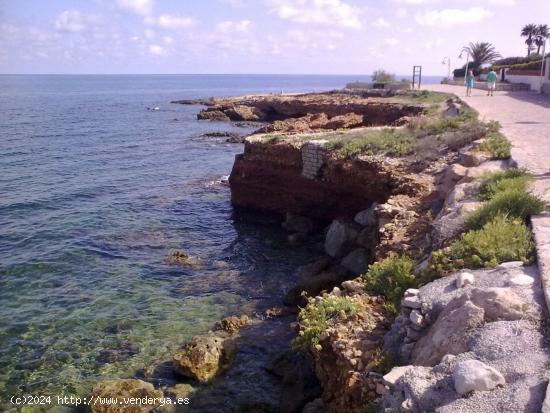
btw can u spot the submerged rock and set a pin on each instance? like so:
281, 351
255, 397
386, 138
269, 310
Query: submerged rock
204, 357
181, 258
232, 324
122, 389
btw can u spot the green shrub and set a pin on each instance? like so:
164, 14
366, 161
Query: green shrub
391, 277
497, 145
513, 203
382, 76
382, 141
502, 239
510, 179
314, 319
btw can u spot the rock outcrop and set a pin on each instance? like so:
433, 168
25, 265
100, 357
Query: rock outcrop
203, 357
121, 390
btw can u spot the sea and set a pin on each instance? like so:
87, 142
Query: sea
95, 191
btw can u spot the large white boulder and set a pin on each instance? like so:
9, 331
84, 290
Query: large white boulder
473, 375
341, 237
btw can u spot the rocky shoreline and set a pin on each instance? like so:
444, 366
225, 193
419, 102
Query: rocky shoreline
456, 341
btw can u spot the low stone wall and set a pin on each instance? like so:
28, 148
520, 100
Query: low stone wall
501, 87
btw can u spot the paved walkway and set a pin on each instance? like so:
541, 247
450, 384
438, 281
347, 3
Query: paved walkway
525, 120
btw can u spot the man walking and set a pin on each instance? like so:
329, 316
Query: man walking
491, 82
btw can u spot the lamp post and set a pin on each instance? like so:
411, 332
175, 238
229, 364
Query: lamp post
447, 61
467, 51
542, 65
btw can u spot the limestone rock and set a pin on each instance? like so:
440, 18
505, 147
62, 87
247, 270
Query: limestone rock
546, 403
352, 286
395, 374
233, 323
464, 278
447, 335
473, 158
521, 279
412, 302
416, 318
473, 375
204, 356
357, 261
498, 303
367, 217
121, 389
341, 237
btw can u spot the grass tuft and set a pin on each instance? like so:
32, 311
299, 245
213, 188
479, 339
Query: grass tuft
500, 240
509, 179
513, 203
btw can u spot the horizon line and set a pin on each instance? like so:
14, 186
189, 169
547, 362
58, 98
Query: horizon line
202, 74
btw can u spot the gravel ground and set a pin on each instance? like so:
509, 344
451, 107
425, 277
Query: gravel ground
517, 349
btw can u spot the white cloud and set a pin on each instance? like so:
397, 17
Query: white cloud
171, 21
416, 1
503, 2
433, 43
452, 17
325, 12
381, 22
391, 41
157, 50
141, 7
149, 34
73, 21
234, 26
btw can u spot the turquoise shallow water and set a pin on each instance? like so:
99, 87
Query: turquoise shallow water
95, 191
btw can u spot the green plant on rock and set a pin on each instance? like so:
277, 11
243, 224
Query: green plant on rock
391, 277
387, 140
314, 317
382, 361
497, 182
513, 203
497, 145
500, 240
370, 408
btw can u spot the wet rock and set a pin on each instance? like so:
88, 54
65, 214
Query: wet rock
204, 357
222, 134
233, 324
216, 115
181, 258
299, 383
123, 389
473, 375
298, 223
180, 390
313, 268
357, 261
341, 237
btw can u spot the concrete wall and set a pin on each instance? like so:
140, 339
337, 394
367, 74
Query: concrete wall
313, 157
532, 81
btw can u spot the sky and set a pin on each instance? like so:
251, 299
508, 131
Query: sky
255, 36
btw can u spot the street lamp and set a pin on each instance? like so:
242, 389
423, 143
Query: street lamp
542, 65
447, 61
467, 51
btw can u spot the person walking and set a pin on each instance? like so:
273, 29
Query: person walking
491, 82
469, 82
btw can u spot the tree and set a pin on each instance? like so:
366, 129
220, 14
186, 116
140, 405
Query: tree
381, 76
529, 31
482, 53
542, 33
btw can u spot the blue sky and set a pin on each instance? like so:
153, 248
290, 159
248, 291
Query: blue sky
254, 36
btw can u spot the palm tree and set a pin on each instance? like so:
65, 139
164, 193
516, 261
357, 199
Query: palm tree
482, 53
529, 31
541, 35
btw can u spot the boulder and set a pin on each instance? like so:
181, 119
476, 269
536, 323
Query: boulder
233, 323
448, 335
204, 357
357, 261
313, 268
298, 223
367, 217
473, 158
368, 238
473, 375
499, 303
395, 374
122, 389
341, 237
325, 280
